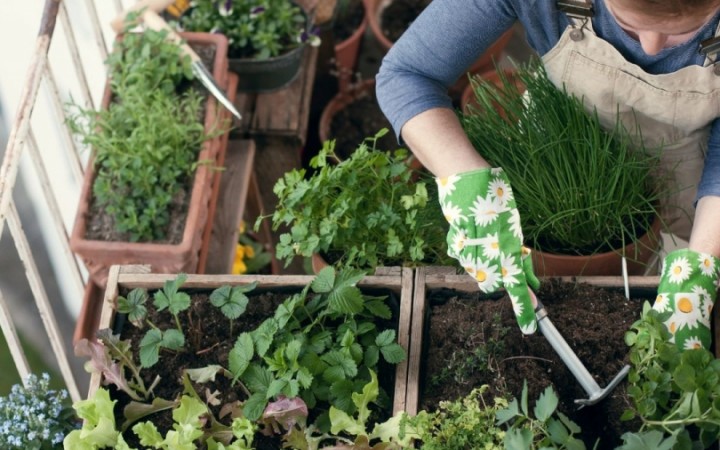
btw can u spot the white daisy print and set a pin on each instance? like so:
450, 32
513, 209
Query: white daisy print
518, 307
509, 269
706, 304
486, 275
446, 185
500, 191
692, 343
707, 264
485, 210
662, 303
453, 213
467, 262
529, 328
458, 242
490, 246
514, 222
678, 270
687, 310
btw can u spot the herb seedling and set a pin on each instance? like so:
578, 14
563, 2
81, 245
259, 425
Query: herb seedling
232, 301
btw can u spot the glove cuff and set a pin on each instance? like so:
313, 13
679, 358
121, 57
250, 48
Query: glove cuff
684, 266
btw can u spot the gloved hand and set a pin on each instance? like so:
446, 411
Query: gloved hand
486, 239
687, 289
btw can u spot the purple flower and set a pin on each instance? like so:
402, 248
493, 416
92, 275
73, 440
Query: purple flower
225, 8
256, 11
311, 37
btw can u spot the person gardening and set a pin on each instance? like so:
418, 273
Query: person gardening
647, 63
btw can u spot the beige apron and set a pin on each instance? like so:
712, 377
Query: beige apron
673, 111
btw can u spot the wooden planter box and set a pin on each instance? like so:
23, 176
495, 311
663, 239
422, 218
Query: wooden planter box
397, 281
430, 278
98, 256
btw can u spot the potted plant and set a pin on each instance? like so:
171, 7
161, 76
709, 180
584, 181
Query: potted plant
366, 211
243, 360
581, 191
151, 174
266, 38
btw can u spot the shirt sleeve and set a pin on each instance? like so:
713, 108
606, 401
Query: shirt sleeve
445, 39
710, 180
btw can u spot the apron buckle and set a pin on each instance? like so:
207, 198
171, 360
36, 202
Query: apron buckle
708, 48
579, 11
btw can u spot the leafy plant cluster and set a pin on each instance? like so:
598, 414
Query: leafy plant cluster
471, 423
257, 29
320, 350
579, 188
675, 394
146, 143
365, 211
33, 416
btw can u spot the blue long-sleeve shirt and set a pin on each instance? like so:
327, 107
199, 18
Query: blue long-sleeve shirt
451, 34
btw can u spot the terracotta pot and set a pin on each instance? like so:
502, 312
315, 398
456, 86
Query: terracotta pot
609, 263
468, 96
339, 102
346, 54
374, 10
98, 255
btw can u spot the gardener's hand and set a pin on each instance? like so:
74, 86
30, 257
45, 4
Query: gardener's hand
687, 290
485, 237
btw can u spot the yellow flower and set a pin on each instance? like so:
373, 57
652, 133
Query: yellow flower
239, 266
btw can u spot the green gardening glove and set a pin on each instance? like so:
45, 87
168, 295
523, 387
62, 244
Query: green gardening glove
687, 289
486, 239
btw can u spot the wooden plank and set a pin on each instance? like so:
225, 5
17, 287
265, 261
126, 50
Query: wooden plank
403, 338
234, 188
416, 337
285, 112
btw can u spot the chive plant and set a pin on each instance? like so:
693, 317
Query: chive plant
580, 188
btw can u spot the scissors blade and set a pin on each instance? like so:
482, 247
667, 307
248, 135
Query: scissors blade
209, 82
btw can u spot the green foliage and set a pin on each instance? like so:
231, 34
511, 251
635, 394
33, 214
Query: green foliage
368, 210
232, 301
461, 424
548, 429
676, 394
320, 345
146, 143
255, 29
98, 427
579, 188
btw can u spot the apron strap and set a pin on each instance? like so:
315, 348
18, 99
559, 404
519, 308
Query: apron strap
579, 12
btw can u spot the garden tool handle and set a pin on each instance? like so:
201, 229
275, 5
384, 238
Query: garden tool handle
157, 6
573, 363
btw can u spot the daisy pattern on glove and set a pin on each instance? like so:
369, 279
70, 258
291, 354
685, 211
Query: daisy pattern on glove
686, 294
485, 237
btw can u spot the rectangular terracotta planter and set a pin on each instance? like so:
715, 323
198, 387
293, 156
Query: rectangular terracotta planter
98, 255
396, 281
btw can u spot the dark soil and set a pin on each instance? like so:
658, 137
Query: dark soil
592, 320
209, 341
398, 16
359, 120
101, 226
348, 20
